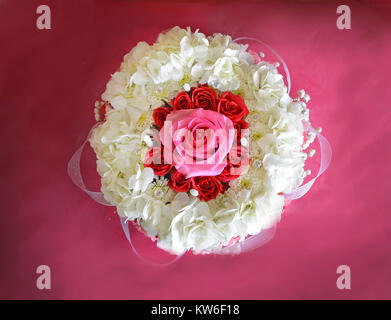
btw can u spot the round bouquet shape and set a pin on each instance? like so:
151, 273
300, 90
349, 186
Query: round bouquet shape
199, 143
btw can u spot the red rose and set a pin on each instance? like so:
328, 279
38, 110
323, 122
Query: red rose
154, 159
208, 187
232, 106
205, 97
160, 115
182, 101
238, 157
103, 110
178, 182
240, 127
229, 173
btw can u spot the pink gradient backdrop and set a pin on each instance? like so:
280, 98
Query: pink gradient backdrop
49, 81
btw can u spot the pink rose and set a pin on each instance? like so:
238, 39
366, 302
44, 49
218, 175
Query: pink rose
197, 141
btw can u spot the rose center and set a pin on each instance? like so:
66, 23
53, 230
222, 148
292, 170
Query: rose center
201, 138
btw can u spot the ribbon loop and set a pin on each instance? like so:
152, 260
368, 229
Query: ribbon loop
251, 243
74, 173
125, 228
325, 159
280, 60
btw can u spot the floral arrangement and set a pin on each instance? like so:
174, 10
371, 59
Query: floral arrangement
199, 141
196, 117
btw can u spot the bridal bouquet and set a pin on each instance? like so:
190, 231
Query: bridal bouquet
198, 142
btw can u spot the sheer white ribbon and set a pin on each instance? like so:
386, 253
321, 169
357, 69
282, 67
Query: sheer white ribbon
325, 159
74, 172
280, 60
125, 228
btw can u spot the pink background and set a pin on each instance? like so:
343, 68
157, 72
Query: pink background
49, 81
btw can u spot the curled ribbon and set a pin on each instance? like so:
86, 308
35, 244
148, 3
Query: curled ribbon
74, 173
125, 228
284, 65
325, 159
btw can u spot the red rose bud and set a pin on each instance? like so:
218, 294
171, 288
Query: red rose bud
208, 187
229, 173
238, 157
154, 159
205, 98
100, 110
178, 182
160, 115
232, 106
182, 101
103, 109
240, 126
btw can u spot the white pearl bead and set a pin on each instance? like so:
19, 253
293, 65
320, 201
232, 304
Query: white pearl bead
159, 90
261, 54
244, 142
194, 192
158, 193
148, 140
306, 98
307, 172
187, 87
276, 64
214, 83
301, 93
257, 163
311, 152
319, 129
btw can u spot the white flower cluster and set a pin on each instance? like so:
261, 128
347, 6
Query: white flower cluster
254, 201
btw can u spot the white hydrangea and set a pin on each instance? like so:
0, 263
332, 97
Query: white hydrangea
150, 73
